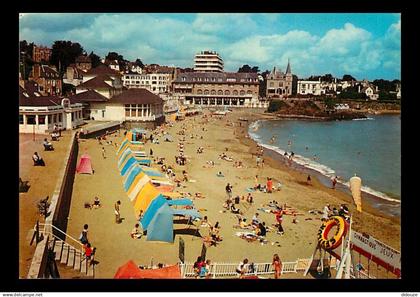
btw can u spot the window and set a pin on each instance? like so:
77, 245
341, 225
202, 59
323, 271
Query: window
213, 92
206, 92
21, 119
227, 92
30, 120
235, 92
41, 119
220, 92
242, 92
103, 113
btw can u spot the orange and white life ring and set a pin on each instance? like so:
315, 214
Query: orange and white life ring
335, 241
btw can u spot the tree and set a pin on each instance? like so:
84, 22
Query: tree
327, 78
247, 69
25, 54
294, 84
348, 77
112, 56
64, 53
263, 83
139, 63
95, 59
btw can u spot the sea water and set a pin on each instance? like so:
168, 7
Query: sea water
370, 148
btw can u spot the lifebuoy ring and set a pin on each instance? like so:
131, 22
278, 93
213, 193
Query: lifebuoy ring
334, 241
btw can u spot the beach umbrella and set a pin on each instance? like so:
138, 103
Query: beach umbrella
355, 187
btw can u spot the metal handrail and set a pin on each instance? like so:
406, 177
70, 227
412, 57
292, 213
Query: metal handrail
62, 232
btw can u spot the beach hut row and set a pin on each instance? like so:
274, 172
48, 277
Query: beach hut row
147, 190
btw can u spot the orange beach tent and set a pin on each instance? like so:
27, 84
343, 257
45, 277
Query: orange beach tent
131, 271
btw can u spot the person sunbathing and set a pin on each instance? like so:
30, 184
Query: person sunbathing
233, 209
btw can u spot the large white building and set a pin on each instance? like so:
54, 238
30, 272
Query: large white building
208, 61
308, 87
39, 114
156, 83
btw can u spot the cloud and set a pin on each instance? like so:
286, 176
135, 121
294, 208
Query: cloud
254, 39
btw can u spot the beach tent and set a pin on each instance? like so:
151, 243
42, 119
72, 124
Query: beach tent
131, 271
355, 187
161, 226
128, 271
139, 182
146, 162
184, 201
85, 165
151, 211
127, 165
145, 196
193, 213
123, 146
166, 272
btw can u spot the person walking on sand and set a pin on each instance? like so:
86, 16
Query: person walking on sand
269, 185
229, 191
84, 234
308, 179
103, 153
334, 182
277, 266
117, 212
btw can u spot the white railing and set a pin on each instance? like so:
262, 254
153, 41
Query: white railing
78, 246
224, 270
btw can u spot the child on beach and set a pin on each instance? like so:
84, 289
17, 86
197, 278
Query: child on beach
135, 233
277, 266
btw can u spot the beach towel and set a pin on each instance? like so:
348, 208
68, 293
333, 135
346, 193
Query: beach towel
250, 190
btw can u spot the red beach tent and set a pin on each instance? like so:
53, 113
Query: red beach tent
128, 270
131, 271
85, 165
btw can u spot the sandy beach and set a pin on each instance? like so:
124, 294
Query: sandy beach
216, 135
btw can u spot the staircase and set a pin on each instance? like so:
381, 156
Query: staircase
68, 252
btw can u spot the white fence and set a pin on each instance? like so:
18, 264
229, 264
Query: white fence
226, 270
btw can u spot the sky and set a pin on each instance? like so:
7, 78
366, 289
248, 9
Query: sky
364, 45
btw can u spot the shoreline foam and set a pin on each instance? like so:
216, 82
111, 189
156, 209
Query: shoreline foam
324, 170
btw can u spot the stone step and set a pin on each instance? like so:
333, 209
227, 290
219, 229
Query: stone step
58, 249
77, 261
65, 255
70, 261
